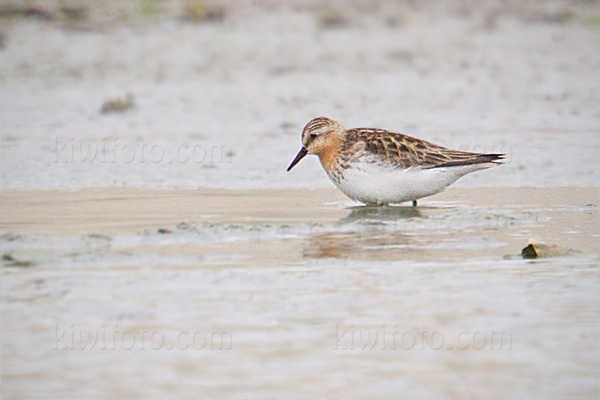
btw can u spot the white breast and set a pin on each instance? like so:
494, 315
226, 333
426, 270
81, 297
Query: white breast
372, 183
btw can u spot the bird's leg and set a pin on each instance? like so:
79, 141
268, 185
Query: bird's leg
414, 203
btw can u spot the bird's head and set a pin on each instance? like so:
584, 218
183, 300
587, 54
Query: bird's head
317, 136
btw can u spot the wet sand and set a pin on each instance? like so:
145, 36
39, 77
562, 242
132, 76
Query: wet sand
561, 215
298, 294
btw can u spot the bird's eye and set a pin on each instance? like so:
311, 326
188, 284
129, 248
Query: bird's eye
312, 136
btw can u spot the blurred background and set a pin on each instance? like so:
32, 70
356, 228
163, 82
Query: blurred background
219, 91
214, 94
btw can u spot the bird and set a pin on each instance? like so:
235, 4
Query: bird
378, 167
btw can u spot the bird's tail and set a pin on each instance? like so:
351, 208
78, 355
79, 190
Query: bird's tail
483, 159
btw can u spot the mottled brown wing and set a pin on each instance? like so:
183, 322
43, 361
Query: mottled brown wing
402, 151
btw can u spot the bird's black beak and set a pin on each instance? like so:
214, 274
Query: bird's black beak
299, 157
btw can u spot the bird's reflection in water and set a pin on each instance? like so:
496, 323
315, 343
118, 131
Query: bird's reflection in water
372, 240
367, 245
368, 214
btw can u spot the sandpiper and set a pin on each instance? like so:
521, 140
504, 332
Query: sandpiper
379, 167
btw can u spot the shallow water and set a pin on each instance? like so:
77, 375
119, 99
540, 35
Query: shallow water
301, 294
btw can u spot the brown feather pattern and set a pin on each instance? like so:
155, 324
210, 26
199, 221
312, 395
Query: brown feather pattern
402, 151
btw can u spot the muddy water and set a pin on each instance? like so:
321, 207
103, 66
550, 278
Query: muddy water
298, 294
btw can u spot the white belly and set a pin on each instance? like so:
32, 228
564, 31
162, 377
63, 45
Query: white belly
371, 183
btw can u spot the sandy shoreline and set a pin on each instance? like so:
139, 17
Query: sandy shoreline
565, 216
